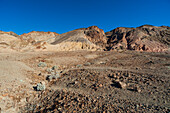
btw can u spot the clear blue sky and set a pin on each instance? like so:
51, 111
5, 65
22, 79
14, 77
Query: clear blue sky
23, 16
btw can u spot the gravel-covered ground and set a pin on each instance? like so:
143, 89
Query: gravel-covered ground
92, 82
91, 90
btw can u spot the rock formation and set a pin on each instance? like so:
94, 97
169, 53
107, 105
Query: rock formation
95, 35
144, 38
91, 38
8, 40
39, 35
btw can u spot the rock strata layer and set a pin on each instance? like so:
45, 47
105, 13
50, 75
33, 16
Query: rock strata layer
144, 38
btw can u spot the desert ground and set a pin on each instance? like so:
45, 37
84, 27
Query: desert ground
84, 81
86, 70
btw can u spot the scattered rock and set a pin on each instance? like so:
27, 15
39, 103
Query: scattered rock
137, 89
55, 68
101, 62
100, 85
119, 84
39, 74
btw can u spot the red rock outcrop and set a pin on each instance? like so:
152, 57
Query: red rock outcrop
144, 38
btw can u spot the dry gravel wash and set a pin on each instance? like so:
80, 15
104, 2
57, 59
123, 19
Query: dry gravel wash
90, 82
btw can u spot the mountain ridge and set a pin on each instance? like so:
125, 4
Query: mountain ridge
143, 38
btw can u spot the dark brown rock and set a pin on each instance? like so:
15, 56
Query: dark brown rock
96, 35
144, 38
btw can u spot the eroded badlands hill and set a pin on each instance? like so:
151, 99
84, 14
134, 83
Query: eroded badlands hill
144, 38
8, 41
39, 35
91, 38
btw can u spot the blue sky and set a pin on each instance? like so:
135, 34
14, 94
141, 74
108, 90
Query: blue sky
23, 16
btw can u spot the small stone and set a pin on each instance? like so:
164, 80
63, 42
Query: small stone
39, 74
100, 85
55, 68
76, 82
138, 89
120, 84
49, 78
101, 62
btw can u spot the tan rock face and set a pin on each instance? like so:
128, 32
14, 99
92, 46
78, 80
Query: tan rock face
8, 41
39, 36
91, 38
143, 38
9, 33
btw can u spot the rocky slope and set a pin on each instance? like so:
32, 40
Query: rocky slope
84, 81
91, 38
8, 40
95, 35
39, 35
144, 38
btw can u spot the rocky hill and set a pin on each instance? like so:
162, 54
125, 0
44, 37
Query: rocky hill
91, 38
144, 38
8, 40
39, 35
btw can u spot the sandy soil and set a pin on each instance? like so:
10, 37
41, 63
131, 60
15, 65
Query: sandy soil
125, 81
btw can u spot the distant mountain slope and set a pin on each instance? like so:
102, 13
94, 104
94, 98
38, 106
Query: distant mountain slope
88, 38
8, 40
143, 38
39, 35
